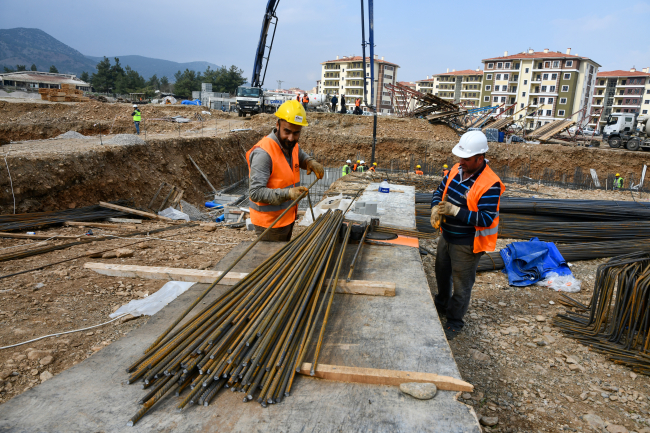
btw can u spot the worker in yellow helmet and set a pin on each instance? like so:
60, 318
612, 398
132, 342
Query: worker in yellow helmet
445, 170
618, 181
372, 168
418, 170
274, 165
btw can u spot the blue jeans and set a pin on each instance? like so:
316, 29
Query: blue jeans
137, 127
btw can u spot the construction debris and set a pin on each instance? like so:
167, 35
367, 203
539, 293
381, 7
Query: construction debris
67, 93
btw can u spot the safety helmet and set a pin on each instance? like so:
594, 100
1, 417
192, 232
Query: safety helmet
618, 175
293, 112
470, 144
445, 166
418, 166
358, 161
135, 106
348, 162
374, 163
363, 162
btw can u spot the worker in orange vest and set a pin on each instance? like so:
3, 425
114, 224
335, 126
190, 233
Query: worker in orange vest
356, 165
305, 101
274, 165
445, 170
418, 170
372, 168
469, 229
357, 106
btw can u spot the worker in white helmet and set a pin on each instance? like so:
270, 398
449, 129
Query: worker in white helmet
346, 168
362, 166
137, 116
465, 208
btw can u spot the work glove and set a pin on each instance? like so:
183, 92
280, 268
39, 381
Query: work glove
295, 192
313, 165
446, 208
435, 217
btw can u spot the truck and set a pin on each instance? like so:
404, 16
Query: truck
254, 100
628, 130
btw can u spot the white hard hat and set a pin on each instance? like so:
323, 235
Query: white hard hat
363, 162
348, 162
135, 106
470, 144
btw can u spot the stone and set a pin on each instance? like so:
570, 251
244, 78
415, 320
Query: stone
614, 428
548, 338
19, 357
124, 252
571, 360
489, 421
127, 318
421, 391
503, 304
632, 375
209, 227
478, 356
594, 420
34, 372
46, 375
576, 367
38, 354
466, 395
540, 318
109, 255
569, 399
96, 348
584, 396
205, 265
5, 374
47, 360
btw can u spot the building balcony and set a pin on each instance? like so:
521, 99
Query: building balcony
596, 105
629, 85
353, 69
353, 87
626, 106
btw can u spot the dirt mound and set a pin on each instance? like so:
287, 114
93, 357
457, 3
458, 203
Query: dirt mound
71, 135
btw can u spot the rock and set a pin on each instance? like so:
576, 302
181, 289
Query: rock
548, 338
576, 367
38, 354
127, 318
421, 391
540, 318
613, 428
569, 399
584, 396
478, 356
96, 348
489, 421
540, 342
644, 430
39, 286
571, 360
594, 420
141, 294
466, 395
47, 360
109, 255
205, 265
124, 252
503, 304
209, 227
632, 375
46, 375
34, 372
19, 357
5, 374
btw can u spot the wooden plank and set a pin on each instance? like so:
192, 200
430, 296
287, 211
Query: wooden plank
354, 287
125, 220
377, 376
133, 211
100, 225
25, 236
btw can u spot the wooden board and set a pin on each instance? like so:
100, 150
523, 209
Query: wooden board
100, 225
26, 236
133, 211
376, 376
125, 220
354, 287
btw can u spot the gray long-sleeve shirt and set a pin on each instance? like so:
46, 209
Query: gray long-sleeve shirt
261, 167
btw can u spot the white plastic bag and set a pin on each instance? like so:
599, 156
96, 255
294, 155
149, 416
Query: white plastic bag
565, 283
154, 303
174, 214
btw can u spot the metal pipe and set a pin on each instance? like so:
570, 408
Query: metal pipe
356, 254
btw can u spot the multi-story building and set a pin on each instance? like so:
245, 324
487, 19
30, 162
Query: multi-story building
558, 84
460, 87
344, 76
620, 92
400, 103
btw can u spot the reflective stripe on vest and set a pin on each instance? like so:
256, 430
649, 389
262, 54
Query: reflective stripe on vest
282, 176
346, 170
138, 116
485, 238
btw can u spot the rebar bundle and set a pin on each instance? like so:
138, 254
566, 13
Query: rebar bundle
254, 337
405, 232
617, 320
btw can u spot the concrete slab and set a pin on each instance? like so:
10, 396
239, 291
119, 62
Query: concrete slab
395, 209
400, 333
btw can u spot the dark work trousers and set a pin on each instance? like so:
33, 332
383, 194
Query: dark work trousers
455, 274
333, 107
280, 234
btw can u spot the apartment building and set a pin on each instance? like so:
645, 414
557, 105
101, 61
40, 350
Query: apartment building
400, 103
620, 92
461, 87
558, 84
345, 75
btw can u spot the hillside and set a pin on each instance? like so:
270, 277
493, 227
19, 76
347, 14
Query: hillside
147, 66
21, 46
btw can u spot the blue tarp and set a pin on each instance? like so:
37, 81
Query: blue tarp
529, 262
195, 102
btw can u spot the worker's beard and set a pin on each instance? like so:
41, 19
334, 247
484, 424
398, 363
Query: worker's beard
286, 144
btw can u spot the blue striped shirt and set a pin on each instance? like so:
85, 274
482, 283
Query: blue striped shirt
460, 229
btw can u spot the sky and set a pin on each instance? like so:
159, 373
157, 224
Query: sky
422, 37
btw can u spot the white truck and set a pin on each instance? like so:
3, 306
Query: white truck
253, 100
628, 130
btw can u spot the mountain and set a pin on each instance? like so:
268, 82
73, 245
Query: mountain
22, 46
146, 66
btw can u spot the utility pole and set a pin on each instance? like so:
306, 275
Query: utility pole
280, 84
369, 101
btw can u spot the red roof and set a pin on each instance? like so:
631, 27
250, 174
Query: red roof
538, 55
620, 73
406, 83
463, 72
358, 59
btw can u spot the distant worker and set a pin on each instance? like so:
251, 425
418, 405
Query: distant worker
470, 208
445, 170
298, 97
357, 107
274, 165
137, 117
346, 168
305, 101
356, 165
418, 170
362, 166
343, 110
618, 182
372, 168
334, 102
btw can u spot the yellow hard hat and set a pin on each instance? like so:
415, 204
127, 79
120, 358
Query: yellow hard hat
374, 163
358, 161
445, 166
618, 175
418, 166
293, 112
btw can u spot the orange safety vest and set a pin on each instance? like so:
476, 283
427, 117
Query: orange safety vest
354, 167
372, 168
419, 172
485, 238
445, 173
305, 99
357, 102
282, 176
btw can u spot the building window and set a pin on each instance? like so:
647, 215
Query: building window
496, 88
547, 65
499, 65
645, 112
505, 76
527, 70
560, 113
567, 76
545, 76
549, 113
496, 99
556, 64
490, 65
523, 94
542, 100
553, 76
507, 65
525, 82
551, 89
543, 88
488, 88
498, 77
647, 101
562, 100
503, 99
486, 99
550, 100
569, 63
521, 105
488, 77
565, 88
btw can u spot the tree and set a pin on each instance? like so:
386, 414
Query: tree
8, 69
84, 77
186, 82
21, 68
154, 82
34, 68
224, 80
102, 80
54, 70
164, 84
130, 82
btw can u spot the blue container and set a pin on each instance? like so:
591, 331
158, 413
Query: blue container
502, 136
220, 218
211, 204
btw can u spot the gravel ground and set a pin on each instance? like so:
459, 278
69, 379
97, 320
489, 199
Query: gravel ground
72, 135
125, 140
